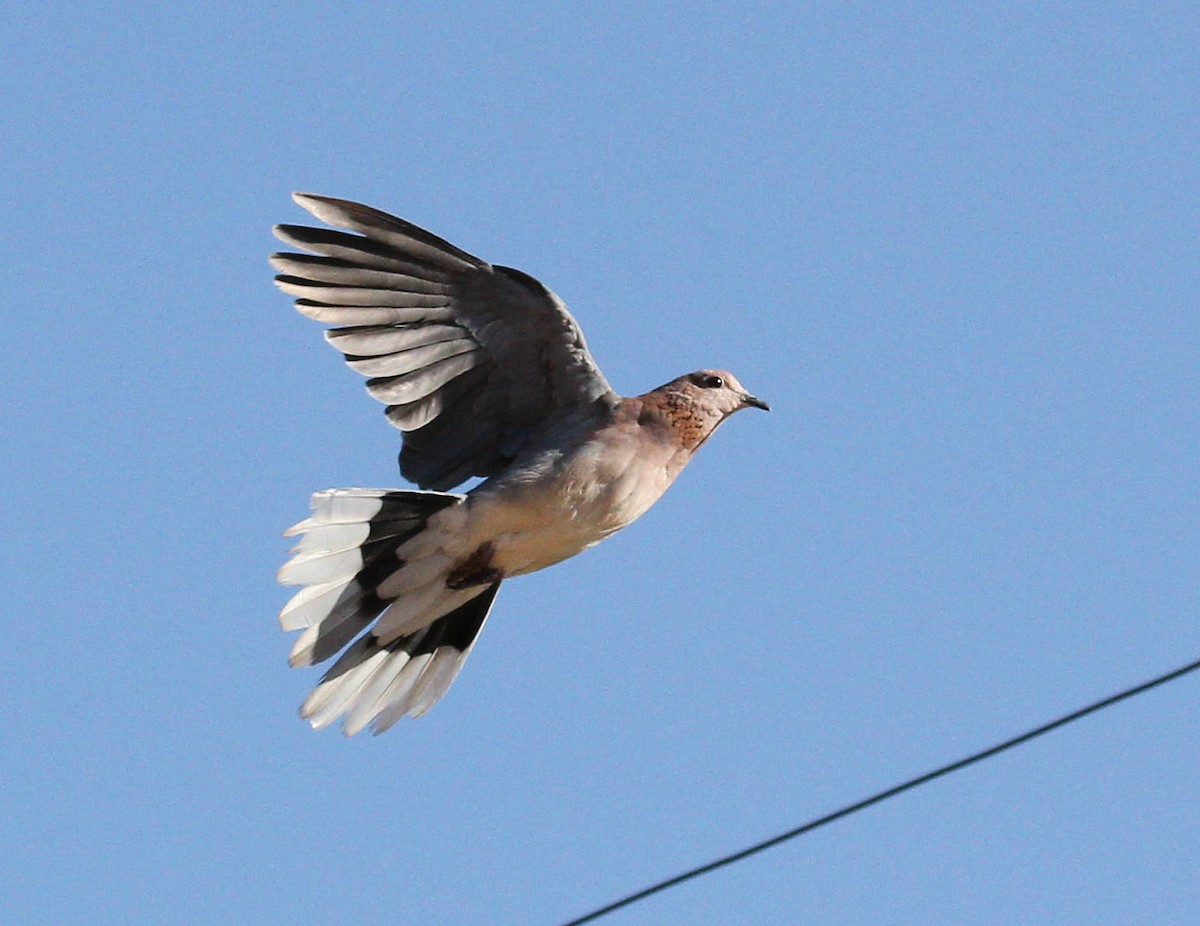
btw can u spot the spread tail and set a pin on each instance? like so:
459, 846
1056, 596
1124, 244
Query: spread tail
352, 573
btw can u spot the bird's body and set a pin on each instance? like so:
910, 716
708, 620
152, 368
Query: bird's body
488, 374
561, 500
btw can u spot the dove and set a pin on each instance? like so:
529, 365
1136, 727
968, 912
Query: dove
487, 375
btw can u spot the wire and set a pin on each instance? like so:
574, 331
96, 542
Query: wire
889, 793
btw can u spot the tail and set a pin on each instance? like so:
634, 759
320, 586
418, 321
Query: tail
353, 572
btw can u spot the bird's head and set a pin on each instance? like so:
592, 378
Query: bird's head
719, 391
695, 403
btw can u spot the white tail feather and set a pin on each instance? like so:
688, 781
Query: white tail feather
321, 567
435, 679
329, 538
340, 506
331, 697
401, 675
368, 567
309, 605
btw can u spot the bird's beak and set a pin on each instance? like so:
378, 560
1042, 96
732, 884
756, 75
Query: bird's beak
748, 399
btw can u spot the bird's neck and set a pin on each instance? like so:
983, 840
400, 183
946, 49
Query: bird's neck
678, 415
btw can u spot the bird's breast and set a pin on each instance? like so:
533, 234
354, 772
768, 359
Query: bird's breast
560, 504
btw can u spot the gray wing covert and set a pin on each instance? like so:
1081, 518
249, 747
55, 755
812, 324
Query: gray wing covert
471, 359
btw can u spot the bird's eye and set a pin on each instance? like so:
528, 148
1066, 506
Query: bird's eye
712, 382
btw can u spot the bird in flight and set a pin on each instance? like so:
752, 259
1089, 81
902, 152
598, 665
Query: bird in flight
487, 374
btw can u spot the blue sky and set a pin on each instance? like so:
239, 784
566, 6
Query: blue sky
954, 245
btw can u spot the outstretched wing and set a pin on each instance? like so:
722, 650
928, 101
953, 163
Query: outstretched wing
472, 360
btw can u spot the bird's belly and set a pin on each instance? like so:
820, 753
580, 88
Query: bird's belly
531, 550
539, 525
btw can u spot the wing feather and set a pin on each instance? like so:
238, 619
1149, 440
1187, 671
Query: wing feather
376, 340
360, 295
411, 359
410, 416
333, 272
398, 390
372, 315
475, 362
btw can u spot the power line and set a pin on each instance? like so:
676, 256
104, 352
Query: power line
889, 793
